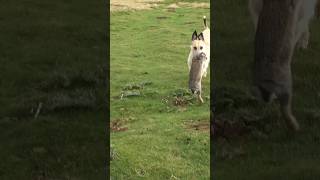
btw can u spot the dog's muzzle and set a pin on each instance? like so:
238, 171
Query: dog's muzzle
202, 56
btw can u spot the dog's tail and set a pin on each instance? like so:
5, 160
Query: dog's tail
205, 21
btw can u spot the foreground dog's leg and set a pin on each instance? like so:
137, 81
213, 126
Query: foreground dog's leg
205, 74
285, 106
318, 9
255, 7
304, 40
306, 12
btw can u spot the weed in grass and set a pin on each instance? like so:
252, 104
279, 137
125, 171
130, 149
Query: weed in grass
117, 125
135, 90
198, 125
113, 153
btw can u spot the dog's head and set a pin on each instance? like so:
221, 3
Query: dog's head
197, 45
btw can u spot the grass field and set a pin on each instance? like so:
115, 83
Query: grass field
158, 129
269, 152
52, 52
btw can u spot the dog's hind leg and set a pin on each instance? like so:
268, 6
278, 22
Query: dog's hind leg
306, 14
285, 106
304, 40
204, 71
200, 98
189, 60
255, 7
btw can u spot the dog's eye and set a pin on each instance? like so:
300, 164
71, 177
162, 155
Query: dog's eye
201, 47
195, 48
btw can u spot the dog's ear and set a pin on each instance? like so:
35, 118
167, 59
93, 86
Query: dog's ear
200, 37
194, 35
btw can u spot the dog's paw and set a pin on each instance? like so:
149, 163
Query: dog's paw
302, 44
205, 74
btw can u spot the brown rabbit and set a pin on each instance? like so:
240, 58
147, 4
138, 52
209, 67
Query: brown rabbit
195, 75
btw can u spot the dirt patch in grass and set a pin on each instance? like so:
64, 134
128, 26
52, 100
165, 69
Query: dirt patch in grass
226, 128
134, 90
238, 114
118, 126
182, 98
125, 5
188, 4
180, 101
198, 125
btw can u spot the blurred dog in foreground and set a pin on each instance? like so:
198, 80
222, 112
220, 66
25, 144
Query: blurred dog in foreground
281, 25
199, 59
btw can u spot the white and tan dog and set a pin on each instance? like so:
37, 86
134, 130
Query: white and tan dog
200, 44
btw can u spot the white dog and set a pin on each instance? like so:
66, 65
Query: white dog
305, 14
200, 44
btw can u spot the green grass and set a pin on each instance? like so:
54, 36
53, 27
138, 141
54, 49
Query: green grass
54, 53
278, 155
157, 143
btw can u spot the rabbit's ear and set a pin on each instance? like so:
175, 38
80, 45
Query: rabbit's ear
194, 35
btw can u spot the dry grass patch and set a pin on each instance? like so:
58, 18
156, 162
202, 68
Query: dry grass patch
125, 5
188, 4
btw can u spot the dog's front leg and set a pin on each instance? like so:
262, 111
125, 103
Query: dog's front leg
304, 40
189, 60
205, 68
255, 7
200, 98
